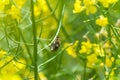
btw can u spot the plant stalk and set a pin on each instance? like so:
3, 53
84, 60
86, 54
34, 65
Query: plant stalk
35, 41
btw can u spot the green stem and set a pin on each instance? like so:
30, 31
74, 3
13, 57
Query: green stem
114, 32
28, 50
52, 10
85, 66
58, 29
116, 48
63, 29
47, 61
35, 42
6, 36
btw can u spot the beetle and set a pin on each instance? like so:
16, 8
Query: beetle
56, 44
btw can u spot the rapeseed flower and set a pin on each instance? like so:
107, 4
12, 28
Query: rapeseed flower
20, 3
98, 50
78, 7
7, 68
92, 59
40, 7
37, 11
86, 47
106, 3
20, 63
43, 6
71, 49
42, 76
109, 61
2, 53
14, 12
102, 21
93, 51
3, 3
10, 77
88, 5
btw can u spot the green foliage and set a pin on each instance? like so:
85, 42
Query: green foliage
89, 39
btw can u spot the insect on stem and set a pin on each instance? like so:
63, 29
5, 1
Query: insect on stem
56, 44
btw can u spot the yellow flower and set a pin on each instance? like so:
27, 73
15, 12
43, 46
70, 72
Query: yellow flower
10, 77
89, 2
102, 21
86, 47
37, 11
71, 50
43, 6
106, 3
14, 12
77, 7
90, 6
92, 59
20, 3
3, 3
20, 63
102, 64
108, 62
112, 1
42, 76
9, 68
5, 60
2, 53
98, 50
91, 9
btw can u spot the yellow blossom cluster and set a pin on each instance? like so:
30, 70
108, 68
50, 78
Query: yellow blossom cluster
2, 53
71, 49
15, 8
40, 7
9, 67
19, 3
86, 47
95, 50
88, 5
3, 3
92, 60
78, 7
102, 21
14, 12
92, 52
106, 3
